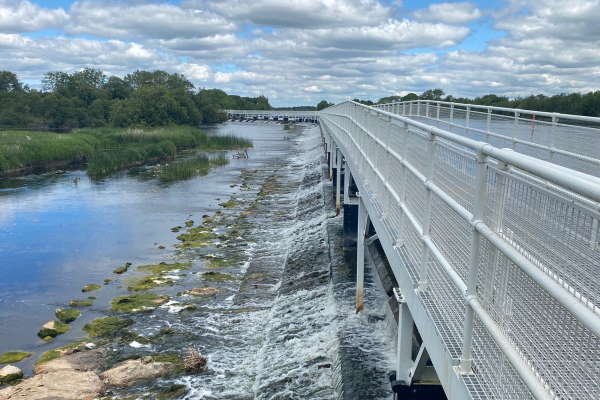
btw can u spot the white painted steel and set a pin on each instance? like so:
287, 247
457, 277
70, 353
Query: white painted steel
494, 250
272, 114
569, 140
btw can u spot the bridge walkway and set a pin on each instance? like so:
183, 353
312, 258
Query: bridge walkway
495, 253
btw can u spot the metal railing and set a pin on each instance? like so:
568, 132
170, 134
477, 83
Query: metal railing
272, 114
569, 140
496, 253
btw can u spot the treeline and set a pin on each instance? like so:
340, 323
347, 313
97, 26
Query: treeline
569, 103
90, 98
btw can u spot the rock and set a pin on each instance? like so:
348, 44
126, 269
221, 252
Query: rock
92, 360
202, 291
64, 385
52, 329
9, 374
132, 372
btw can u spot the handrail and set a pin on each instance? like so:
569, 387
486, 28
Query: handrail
362, 132
573, 117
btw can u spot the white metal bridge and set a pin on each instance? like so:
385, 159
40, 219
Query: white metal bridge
489, 218
495, 250
276, 115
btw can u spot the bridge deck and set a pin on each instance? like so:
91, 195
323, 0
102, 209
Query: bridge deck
495, 253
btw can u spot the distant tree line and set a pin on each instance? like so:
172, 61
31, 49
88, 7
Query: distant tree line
568, 103
90, 98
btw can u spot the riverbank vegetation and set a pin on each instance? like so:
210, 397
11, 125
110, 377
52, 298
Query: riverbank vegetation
568, 103
105, 150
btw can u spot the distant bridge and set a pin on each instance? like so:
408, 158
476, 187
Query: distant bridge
489, 219
274, 115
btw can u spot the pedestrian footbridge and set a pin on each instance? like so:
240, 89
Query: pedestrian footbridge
489, 220
274, 115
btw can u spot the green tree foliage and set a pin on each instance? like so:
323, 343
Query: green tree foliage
323, 104
89, 98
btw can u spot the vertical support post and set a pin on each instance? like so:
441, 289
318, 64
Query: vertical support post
552, 136
488, 124
347, 180
466, 359
360, 255
467, 119
404, 359
338, 185
439, 105
331, 155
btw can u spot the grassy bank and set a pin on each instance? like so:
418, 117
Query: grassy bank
105, 149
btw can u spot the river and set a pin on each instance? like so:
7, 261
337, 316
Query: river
274, 329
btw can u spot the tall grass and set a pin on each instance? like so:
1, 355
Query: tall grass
186, 169
105, 149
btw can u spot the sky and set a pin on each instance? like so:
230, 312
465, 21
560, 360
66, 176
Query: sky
299, 52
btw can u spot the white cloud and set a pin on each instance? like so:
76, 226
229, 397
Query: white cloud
23, 16
308, 14
127, 20
449, 13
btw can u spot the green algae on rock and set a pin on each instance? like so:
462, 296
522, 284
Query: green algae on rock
58, 352
90, 287
164, 267
51, 329
67, 315
218, 262
231, 203
213, 276
202, 291
174, 391
148, 282
122, 269
106, 326
13, 356
200, 236
176, 228
81, 303
189, 223
137, 302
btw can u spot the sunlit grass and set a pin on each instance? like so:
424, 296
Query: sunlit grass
106, 150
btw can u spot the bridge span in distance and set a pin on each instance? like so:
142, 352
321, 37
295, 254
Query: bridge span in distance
489, 221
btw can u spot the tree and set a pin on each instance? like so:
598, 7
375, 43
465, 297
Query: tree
432, 94
9, 82
323, 104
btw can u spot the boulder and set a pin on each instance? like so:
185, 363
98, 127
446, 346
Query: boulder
132, 372
91, 360
10, 373
202, 291
64, 384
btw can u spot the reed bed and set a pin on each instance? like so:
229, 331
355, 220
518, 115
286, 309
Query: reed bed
106, 150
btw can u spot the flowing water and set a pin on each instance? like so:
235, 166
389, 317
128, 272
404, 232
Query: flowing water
279, 328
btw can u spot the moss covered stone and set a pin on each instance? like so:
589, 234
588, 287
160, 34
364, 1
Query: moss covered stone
13, 356
213, 276
90, 287
200, 236
218, 262
81, 303
106, 326
67, 315
175, 391
58, 352
51, 329
137, 302
122, 269
231, 203
163, 267
189, 223
176, 228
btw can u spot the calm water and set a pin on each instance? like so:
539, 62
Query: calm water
58, 233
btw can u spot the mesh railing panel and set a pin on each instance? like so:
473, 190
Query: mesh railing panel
556, 230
